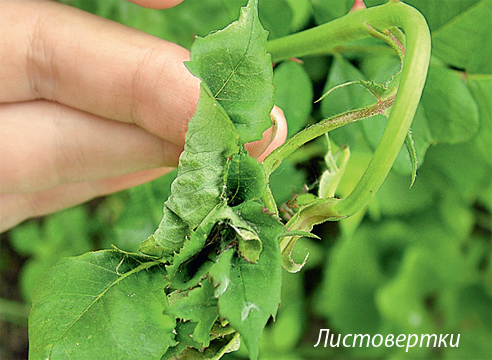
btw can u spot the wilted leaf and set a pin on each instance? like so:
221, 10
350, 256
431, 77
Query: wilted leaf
210, 141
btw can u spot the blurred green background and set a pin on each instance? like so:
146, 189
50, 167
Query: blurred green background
415, 261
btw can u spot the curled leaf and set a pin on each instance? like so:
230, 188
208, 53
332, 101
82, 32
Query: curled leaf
336, 165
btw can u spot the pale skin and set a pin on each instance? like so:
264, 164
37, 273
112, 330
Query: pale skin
89, 107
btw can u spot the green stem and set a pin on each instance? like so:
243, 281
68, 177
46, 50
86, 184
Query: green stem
273, 160
354, 26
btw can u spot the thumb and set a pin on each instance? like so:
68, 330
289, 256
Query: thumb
273, 137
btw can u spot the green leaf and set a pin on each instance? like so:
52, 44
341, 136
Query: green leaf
199, 306
191, 264
346, 98
327, 10
481, 89
295, 101
180, 23
437, 13
276, 17
301, 12
253, 292
466, 42
246, 179
100, 305
234, 65
461, 169
396, 198
187, 271
282, 190
449, 107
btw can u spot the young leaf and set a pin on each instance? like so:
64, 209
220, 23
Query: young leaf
253, 291
101, 305
313, 213
336, 165
235, 66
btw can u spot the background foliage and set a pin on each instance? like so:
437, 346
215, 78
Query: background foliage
415, 261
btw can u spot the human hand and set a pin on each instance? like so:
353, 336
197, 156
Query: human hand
88, 107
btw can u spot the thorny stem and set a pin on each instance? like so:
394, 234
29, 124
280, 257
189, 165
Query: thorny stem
354, 26
322, 127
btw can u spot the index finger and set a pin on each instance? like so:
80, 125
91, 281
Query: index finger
63, 54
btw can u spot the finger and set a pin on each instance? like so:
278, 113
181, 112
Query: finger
157, 4
45, 145
19, 207
273, 137
280, 135
63, 54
